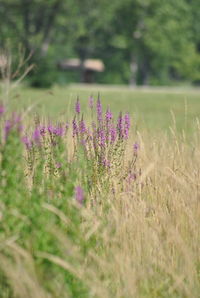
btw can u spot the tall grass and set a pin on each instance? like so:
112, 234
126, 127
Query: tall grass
84, 216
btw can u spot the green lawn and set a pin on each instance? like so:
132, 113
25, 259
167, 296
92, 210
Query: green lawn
149, 107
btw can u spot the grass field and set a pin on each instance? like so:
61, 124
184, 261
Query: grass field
93, 207
150, 108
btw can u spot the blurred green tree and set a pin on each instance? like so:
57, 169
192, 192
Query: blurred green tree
32, 23
140, 41
156, 37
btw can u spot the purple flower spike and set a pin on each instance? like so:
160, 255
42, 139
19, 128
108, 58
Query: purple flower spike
27, 142
102, 137
50, 128
113, 134
58, 131
99, 111
79, 195
91, 102
126, 125
78, 106
82, 128
108, 115
120, 125
36, 135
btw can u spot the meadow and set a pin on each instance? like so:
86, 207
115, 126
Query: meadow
100, 194
153, 109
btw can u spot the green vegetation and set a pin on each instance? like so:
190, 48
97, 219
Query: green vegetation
89, 208
150, 109
145, 42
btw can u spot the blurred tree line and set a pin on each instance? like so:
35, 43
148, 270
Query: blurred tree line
140, 41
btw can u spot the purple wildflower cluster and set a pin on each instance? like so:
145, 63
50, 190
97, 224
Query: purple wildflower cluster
13, 124
98, 139
109, 115
105, 131
42, 132
103, 140
103, 136
99, 111
123, 126
27, 142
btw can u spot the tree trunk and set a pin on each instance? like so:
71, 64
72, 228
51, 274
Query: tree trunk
143, 73
133, 70
82, 71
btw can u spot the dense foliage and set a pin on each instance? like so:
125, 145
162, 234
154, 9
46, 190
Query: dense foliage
140, 41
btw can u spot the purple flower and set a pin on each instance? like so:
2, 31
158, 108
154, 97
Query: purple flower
126, 125
78, 107
58, 131
50, 128
102, 137
36, 135
120, 125
99, 111
27, 142
113, 134
42, 130
14, 123
82, 128
108, 115
91, 102
79, 194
